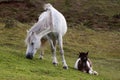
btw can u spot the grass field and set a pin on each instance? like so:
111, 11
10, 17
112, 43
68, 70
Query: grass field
103, 47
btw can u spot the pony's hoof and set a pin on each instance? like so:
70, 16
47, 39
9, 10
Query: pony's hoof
55, 63
65, 67
41, 58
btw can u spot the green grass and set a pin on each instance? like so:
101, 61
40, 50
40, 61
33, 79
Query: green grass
104, 48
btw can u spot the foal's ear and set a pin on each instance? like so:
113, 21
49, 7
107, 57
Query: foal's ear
79, 54
87, 53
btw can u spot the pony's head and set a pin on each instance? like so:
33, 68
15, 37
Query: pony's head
83, 56
33, 43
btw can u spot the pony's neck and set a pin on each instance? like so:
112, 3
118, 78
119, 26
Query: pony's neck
43, 33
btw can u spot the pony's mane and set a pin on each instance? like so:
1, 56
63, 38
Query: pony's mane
44, 22
27, 40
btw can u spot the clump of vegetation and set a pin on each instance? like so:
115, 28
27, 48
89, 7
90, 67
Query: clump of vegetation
10, 23
101, 14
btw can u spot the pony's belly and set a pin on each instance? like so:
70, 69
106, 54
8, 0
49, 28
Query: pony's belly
53, 35
60, 30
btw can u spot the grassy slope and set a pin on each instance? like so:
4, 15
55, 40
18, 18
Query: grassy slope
104, 48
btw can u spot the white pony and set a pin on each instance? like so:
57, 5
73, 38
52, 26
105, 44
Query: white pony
51, 26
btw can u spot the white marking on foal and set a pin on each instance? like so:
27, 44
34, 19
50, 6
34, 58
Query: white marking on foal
76, 63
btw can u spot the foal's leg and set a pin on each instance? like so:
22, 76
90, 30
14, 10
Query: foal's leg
60, 41
89, 65
91, 71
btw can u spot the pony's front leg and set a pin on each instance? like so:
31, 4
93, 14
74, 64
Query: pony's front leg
41, 54
65, 66
42, 51
43, 41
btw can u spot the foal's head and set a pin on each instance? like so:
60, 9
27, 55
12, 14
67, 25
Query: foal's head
83, 56
82, 64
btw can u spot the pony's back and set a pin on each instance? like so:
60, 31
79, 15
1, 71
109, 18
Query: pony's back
58, 20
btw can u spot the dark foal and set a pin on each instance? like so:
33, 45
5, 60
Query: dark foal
84, 64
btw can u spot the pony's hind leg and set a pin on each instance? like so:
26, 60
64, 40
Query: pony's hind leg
53, 49
60, 41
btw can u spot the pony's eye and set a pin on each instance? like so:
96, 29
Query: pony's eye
32, 43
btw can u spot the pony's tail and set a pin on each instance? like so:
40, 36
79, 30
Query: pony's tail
47, 6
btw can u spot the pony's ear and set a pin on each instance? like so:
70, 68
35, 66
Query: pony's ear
33, 33
27, 31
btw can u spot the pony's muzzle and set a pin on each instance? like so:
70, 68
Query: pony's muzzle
29, 56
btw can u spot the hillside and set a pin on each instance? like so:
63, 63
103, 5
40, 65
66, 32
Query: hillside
104, 48
100, 14
93, 25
